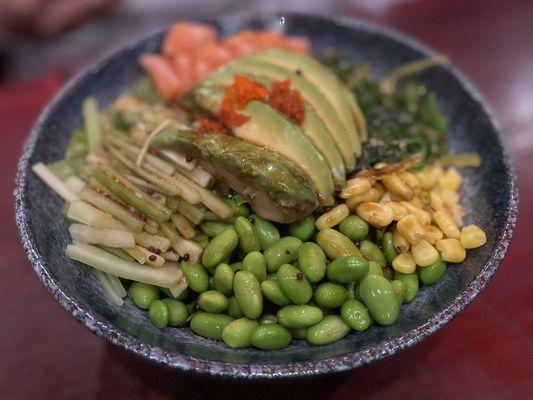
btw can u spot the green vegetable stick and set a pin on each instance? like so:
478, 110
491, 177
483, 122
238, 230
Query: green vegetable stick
91, 123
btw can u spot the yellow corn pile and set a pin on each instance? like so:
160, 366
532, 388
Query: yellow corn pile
424, 208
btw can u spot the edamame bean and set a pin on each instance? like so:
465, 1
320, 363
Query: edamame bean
158, 314
236, 266
354, 227
266, 231
374, 268
329, 330
399, 290
220, 248
372, 252
238, 333
177, 312
196, 276
143, 294
210, 325
282, 252
256, 264
432, 273
410, 282
347, 269
380, 298
213, 228
301, 316
355, 315
272, 291
223, 279
212, 302
202, 239
298, 333
268, 319
233, 308
335, 244
388, 247
248, 241
303, 229
330, 295
312, 261
248, 294
271, 337
294, 284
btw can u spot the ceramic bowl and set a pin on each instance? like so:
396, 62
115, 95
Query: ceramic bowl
489, 195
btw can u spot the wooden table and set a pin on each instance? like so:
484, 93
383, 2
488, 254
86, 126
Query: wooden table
486, 353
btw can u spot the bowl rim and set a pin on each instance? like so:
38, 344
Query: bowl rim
344, 362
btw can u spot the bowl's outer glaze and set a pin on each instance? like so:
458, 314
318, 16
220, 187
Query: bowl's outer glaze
489, 196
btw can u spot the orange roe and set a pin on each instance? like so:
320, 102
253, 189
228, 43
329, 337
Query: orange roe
287, 101
208, 125
237, 95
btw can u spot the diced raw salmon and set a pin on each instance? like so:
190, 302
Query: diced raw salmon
183, 65
165, 79
185, 36
214, 54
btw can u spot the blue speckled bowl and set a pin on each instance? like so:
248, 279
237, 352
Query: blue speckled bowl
489, 196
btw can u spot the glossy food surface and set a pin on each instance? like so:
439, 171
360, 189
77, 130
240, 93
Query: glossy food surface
490, 191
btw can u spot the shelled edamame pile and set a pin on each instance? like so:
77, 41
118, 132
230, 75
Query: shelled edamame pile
266, 198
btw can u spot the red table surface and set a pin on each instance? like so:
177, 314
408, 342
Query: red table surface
486, 352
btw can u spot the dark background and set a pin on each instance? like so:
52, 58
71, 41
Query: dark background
485, 353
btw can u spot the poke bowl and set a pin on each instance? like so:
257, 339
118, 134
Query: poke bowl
239, 152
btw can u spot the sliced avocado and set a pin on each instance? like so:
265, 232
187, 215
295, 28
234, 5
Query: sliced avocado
319, 135
312, 126
275, 187
321, 77
270, 129
357, 113
310, 94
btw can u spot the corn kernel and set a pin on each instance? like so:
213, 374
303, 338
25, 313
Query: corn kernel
397, 187
400, 243
449, 196
404, 263
410, 228
456, 212
424, 253
423, 216
378, 215
417, 202
354, 201
332, 217
433, 234
433, 173
451, 250
451, 180
424, 198
472, 236
354, 187
435, 200
411, 180
446, 225
398, 210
